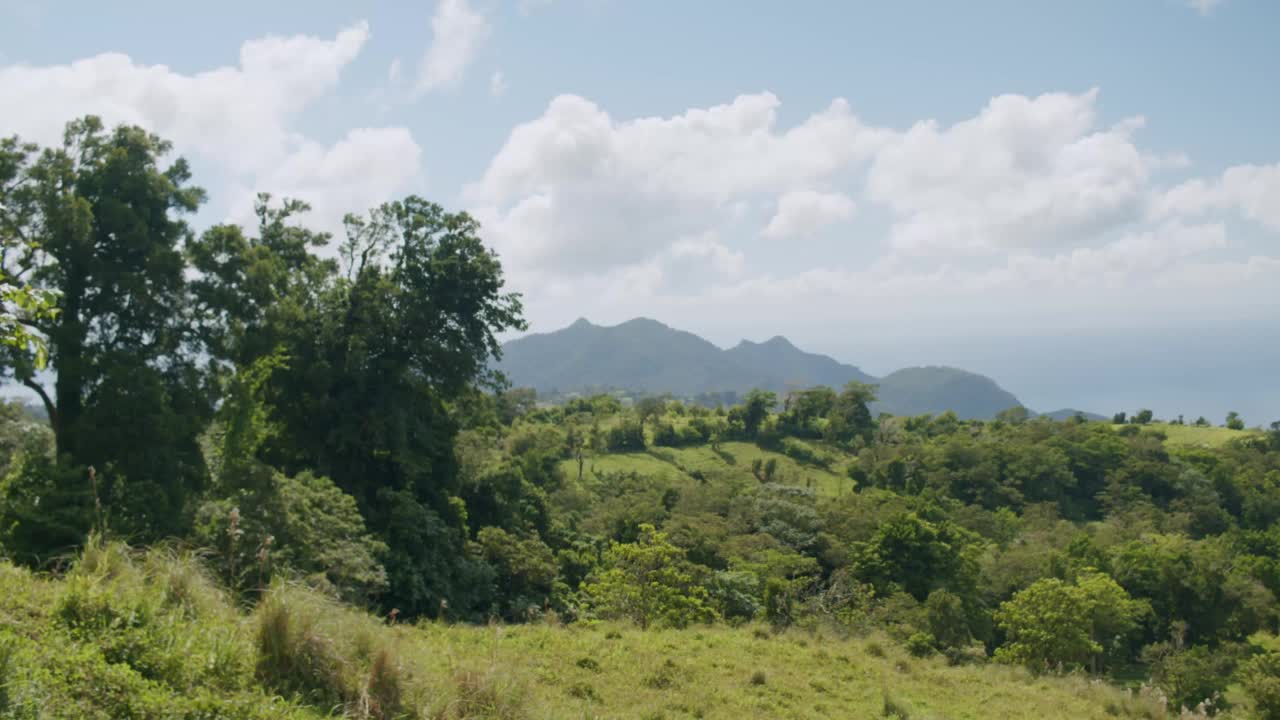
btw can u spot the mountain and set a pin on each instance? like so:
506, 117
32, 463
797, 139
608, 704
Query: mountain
919, 390
640, 354
646, 356
781, 360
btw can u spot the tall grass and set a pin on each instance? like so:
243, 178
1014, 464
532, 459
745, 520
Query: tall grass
154, 635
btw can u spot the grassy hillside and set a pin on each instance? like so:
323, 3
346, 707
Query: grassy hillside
1195, 435
731, 462
152, 636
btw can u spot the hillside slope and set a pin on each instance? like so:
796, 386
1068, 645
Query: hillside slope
151, 637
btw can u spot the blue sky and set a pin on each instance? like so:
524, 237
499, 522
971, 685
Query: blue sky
1081, 199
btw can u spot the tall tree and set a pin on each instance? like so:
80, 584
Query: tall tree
97, 223
379, 345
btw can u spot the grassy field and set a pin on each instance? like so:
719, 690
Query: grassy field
153, 637
732, 460
1193, 435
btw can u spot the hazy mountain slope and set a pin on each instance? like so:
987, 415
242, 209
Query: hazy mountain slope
647, 356
793, 367
918, 390
639, 354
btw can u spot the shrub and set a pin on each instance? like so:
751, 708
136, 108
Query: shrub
294, 655
920, 644
804, 453
484, 696
626, 436
893, 708
664, 434
758, 678
1260, 678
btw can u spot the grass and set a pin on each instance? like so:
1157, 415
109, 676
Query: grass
730, 462
152, 636
1210, 436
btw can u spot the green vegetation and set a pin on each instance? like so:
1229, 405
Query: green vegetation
151, 635
387, 529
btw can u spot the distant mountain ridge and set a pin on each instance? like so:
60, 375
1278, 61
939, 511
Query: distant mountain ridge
644, 355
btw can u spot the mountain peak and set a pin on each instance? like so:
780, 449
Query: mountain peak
580, 323
638, 322
777, 341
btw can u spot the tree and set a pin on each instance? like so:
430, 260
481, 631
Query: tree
649, 582
1053, 622
650, 407
1046, 625
1143, 417
1260, 677
380, 346
948, 621
916, 555
756, 407
96, 226
1234, 422
1015, 415
1118, 418
850, 415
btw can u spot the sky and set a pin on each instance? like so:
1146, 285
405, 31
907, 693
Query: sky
1079, 199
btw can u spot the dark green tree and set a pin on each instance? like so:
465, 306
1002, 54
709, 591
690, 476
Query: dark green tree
97, 223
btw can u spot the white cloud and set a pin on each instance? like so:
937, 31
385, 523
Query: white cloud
1025, 173
804, 212
457, 34
1204, 7
236, 123
1251, 190
497, 84
577, 190
1134, 258
236, 115
367, 167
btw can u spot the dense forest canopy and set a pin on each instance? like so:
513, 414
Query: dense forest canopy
324, 409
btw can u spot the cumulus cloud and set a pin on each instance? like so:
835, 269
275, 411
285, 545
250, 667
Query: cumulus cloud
804, 212
367, 167
576, 189
1032, 201
457, 34
237, 115
236, 122
1251, 190
1025, 173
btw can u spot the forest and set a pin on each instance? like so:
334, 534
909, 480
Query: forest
292, 451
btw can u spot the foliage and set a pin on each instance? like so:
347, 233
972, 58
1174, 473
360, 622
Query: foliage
1054, 623
649, 582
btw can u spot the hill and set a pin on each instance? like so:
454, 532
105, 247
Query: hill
152, 636
778, 359
918, 390
1068, 413
646, 356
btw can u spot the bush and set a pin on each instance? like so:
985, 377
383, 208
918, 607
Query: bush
802, 452
664, 434
1260, 678
484, 695
294, 655
920, 644
626, 436
1192, 675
